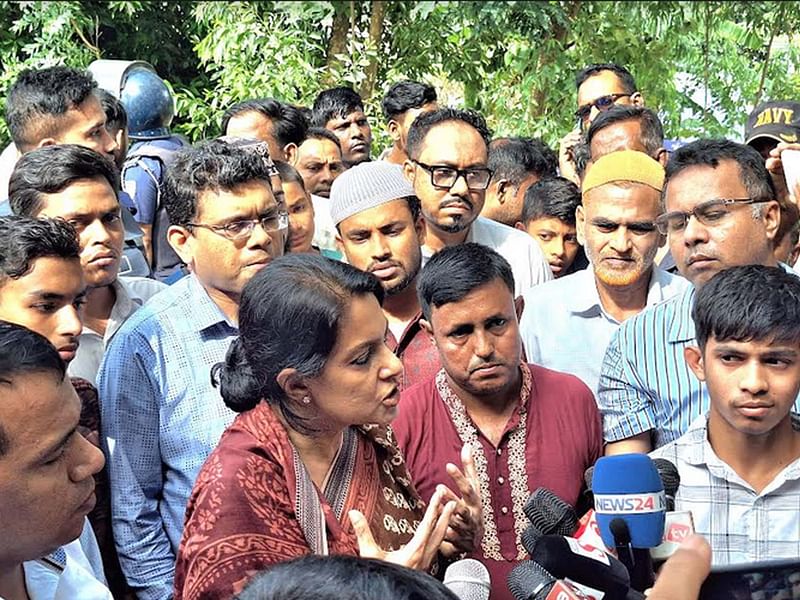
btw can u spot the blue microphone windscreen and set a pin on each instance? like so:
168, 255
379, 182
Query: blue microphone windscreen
628, 486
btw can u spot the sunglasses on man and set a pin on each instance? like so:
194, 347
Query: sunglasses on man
603, 103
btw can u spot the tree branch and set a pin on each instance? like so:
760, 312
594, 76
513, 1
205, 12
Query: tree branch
773, 33
83, 38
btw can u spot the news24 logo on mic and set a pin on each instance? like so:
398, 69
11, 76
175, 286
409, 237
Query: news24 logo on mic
630, 503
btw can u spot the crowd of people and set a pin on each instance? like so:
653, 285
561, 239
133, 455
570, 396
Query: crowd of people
222, 356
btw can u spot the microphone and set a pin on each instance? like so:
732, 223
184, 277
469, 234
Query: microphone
587, 478
588, 533
567, 558
636, 560
678, 524
529, 537
677, 527
627, 487
468, 579
550, 514
529, 581
630, 505
670, 478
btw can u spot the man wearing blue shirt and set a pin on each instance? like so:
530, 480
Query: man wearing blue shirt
721, 211
161, 416
567, 323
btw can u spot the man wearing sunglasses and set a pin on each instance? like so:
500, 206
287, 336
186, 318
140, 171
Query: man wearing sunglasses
721, 212
600, 86
161, 416
447, 165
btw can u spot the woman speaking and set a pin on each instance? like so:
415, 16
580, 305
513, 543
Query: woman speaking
309, 465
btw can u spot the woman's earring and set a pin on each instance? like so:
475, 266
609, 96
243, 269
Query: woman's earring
306, 399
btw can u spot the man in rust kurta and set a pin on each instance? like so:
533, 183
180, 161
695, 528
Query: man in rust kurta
380, 230
528, 426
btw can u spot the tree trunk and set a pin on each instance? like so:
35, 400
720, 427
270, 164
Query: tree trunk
376, 18
337, 44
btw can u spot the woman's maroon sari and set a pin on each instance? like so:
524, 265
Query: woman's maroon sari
253, 504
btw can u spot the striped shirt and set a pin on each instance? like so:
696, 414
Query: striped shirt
645, 382
741, 524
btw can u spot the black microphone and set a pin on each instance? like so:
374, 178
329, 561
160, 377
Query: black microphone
566, 558
529, 581
529, 537
636, 560
587, 499
587, 478
550, 514
671, 479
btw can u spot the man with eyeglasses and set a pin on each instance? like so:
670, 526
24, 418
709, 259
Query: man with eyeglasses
161, 417
600, 86
720, 212
447, 165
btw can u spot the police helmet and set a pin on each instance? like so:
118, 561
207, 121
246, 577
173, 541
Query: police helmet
145, 96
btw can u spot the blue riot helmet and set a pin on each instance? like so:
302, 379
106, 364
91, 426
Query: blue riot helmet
149, 104
145, 96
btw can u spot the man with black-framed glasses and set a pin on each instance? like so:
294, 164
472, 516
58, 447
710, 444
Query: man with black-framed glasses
447, 165
599, 86
720, 211
161, 416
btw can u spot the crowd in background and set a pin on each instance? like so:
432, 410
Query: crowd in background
282, 342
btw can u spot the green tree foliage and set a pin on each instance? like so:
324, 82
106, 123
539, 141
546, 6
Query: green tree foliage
514, 61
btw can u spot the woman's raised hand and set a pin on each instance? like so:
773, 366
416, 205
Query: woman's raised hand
466, 526
420, 551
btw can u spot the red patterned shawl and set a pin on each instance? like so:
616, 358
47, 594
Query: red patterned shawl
242, 516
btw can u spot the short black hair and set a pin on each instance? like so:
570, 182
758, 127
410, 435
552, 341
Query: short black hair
51, 169
582, 155
334, 577
625, 77
23, 240
652, 132
516, 159
554, 197
288, 121
745, 303
320, 133
289, 316
116, 116
455, 271
405, 95
425, 122
335, 103
710, 152
213, 166
40, 98
23, 351
548, 156
289, 174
